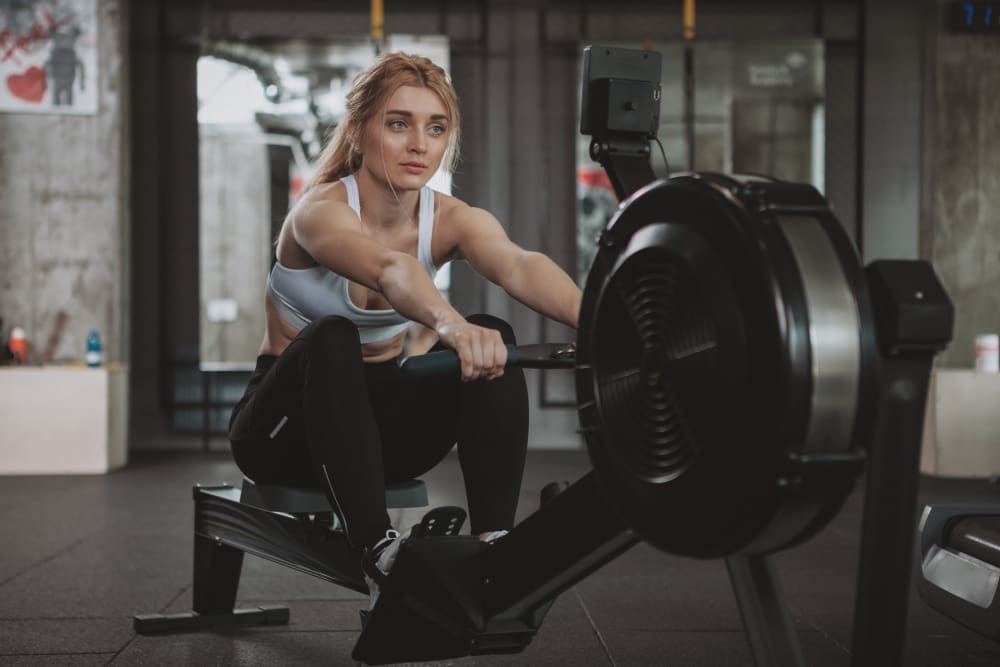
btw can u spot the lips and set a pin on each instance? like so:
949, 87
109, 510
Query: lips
414, 167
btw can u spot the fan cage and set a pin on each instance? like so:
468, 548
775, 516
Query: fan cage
653, 337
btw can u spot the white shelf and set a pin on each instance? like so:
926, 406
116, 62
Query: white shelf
962, 424
63, 420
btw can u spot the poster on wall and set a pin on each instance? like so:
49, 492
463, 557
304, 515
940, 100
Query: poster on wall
48, 56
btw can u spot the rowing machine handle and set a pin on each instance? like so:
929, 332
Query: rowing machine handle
442, 362
445, 362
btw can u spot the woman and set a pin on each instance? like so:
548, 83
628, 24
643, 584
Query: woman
356, 256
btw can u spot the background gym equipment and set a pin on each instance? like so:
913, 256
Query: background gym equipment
736, 369
960, 564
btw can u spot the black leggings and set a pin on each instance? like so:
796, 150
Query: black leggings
316, 416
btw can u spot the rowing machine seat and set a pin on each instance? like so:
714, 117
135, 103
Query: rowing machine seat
297, 500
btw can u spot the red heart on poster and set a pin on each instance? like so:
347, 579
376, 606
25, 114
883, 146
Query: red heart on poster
29, 86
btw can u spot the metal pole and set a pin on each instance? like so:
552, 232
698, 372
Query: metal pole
859, 142
689, 33
378, 25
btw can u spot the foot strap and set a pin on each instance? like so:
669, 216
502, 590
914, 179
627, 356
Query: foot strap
439, 522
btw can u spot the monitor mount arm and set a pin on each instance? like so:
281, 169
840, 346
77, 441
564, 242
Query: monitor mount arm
625, 158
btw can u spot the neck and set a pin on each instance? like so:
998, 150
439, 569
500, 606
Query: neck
383, 205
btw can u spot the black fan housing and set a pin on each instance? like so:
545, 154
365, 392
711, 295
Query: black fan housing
702, 382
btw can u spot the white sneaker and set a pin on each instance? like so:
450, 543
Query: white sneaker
494, 536
384, 552
377, 562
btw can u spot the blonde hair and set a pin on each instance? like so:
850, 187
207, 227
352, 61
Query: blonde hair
342, 154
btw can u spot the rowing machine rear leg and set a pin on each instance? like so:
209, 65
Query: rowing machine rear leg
217, 569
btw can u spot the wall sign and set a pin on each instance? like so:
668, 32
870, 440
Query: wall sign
48, 56
978, 17
785, 68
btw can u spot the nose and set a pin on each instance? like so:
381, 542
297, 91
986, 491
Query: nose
418, 142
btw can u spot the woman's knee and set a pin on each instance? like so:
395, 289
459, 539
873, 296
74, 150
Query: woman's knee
327, 343
494, 322
332, 330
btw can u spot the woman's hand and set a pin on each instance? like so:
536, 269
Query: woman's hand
481, 351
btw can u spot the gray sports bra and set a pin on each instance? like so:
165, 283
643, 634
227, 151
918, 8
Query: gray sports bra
303, 295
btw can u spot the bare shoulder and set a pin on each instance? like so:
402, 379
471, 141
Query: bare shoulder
318, 214
446, 205
321, 195
320, 206
455, 213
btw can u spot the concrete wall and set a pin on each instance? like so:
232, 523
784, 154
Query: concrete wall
961, 180
63, 235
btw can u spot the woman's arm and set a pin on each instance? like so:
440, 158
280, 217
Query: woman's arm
330, 232
530, 277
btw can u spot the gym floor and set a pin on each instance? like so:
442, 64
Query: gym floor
80, 555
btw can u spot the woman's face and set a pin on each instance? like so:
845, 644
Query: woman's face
406, 140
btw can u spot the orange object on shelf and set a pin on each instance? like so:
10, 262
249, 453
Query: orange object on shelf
18, 345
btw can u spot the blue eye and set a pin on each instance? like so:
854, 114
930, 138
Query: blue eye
397, 124
437, 130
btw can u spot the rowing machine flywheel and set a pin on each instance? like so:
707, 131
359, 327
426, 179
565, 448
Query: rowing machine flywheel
726, 368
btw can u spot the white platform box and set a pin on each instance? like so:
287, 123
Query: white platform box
63, 419
962, 424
